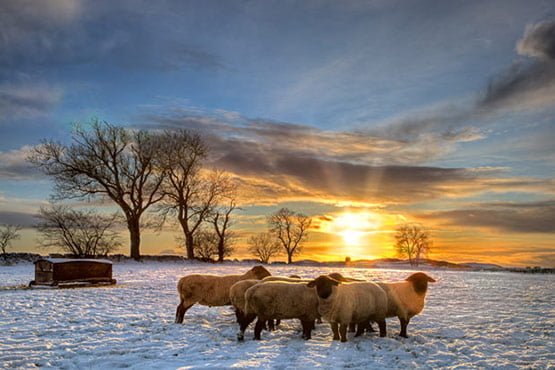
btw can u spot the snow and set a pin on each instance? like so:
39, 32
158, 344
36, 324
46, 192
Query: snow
68, 260
471, 320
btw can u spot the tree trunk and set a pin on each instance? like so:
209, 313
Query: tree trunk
135, 236
189, 246
221, 250
289, 257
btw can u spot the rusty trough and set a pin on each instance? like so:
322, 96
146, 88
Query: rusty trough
69, 273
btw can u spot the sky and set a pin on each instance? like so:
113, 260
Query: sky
361, 114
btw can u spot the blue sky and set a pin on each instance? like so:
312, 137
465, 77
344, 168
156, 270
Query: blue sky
457, 97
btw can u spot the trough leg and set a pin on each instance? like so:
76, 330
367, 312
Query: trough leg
404, 324
343, 332
335, 330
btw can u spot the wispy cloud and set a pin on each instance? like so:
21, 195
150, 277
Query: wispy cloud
528, 217
72, 32
14, 166
27, 100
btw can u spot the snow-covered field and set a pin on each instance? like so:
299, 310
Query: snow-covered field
472, 320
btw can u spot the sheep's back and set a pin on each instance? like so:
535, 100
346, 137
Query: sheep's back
281, 300
208, 290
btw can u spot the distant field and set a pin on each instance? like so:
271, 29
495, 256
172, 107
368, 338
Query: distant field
472, 319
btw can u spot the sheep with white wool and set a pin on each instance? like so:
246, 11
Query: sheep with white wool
210, 290
237, 298
345, 303
282, 300
406, 298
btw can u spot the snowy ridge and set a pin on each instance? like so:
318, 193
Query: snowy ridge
471, 320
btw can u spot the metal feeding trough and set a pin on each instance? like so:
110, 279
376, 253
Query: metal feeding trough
65, 273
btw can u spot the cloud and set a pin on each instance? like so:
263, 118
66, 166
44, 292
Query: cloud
27, 100
527, 83
531, 217
18, 218
14, 166
62, 32
282, 161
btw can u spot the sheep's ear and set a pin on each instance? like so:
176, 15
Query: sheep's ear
311, 284
431, 279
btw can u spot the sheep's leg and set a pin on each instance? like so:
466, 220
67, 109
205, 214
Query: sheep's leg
246, 320
383, 327
278, 321
343, 332
404, 324
360, 328
271, 326
239, 315
258, 327
319, 320
352, 327
369, 327
182, 307
335, 330
307, 329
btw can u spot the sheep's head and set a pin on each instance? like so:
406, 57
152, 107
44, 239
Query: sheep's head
420, 282
324, 285
294, 276
260, 272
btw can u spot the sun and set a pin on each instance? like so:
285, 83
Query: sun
353, 227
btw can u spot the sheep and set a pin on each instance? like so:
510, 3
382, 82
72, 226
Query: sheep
285, 279
406, 298
342, 304
210, 290
337, 276
282, 300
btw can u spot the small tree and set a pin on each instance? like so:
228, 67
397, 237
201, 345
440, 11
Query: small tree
205, 247
8, 233
412, 242
190, 194
78, 232
110, 162
221, 220
291, 229
264, 246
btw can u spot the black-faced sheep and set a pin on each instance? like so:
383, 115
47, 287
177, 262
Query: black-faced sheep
342, 304
406, 298
210, 290
282, 300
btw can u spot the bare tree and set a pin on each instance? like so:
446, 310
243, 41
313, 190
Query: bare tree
291, 229
221, 220
8, 233
206, 244
412, 242
106, 161
264, 246
81, 233
190, 193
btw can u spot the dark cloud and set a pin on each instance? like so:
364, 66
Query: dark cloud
532, 217
56, 33
282, 161
529, 82
539, 40
18, 218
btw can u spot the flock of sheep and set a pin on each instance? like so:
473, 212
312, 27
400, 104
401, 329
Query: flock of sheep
345, 303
